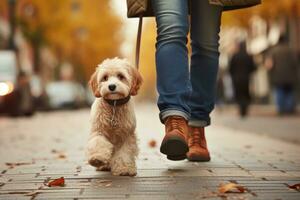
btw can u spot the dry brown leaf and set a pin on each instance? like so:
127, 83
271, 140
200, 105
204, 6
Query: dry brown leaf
57, 182
62, 156
152, 143
295, 186
231, 188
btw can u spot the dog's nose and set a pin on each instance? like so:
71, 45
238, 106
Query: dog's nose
112, 87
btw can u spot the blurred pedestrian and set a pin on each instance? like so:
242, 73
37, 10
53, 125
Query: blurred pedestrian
241, 67
283, 67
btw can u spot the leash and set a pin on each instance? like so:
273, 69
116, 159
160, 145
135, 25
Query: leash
138, 42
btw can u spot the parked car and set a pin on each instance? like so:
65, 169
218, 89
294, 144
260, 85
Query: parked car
15, 92
65, 95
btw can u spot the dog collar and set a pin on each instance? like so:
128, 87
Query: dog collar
117, 102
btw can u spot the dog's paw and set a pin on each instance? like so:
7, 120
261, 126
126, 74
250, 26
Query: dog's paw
98, 160
105, 168
124, 171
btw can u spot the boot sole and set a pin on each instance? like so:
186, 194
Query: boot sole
198, 159
175, 148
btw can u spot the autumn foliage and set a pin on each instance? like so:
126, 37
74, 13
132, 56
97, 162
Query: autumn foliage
80, 32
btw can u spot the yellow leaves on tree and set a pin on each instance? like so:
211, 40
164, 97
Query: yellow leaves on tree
79, 31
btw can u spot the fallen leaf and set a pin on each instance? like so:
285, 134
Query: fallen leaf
152, 143
295, 186
231, 188
57, 182
62, 156
248, 146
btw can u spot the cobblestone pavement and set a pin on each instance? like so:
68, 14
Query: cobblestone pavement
50, 145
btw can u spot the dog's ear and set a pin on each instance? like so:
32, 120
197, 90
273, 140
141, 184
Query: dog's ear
136, 81
94, 85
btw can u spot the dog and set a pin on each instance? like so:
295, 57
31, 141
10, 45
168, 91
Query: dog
112, 144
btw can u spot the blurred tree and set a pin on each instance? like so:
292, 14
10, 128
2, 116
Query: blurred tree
82, 32
269, 10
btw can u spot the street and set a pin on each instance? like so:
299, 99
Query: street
51, 145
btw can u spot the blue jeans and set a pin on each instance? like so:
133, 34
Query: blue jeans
184, 92
285, 99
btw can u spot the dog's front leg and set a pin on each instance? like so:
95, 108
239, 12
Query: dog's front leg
99, 150
123, 160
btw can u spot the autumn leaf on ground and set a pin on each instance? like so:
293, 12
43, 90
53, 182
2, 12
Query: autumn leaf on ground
295, 187
152, 143
57, 182
61, 156
231, 188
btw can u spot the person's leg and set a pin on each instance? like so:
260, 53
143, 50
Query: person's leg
172, 58
205, 28
173, 83
279, 98
290, 102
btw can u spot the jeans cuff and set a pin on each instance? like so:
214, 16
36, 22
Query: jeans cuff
171, 112
199, 123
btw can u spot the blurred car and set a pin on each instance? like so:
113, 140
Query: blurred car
39, 94
65, 95
15, 92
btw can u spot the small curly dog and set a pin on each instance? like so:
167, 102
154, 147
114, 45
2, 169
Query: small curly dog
112, 144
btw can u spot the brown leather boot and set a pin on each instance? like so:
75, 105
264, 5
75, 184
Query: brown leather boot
198, 151
174, 144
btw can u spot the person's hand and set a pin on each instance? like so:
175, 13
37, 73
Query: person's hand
269, 63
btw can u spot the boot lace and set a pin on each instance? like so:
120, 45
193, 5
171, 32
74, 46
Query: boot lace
176, 123
195, 137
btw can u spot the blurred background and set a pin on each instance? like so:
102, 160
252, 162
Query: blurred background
49, 49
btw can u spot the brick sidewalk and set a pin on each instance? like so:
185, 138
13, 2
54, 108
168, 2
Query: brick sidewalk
50, 145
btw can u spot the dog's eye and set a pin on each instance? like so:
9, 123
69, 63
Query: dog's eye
121, 76
105, 78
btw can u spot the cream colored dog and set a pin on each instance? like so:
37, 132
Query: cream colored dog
112, 143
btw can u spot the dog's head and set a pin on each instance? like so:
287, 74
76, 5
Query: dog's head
115, 79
